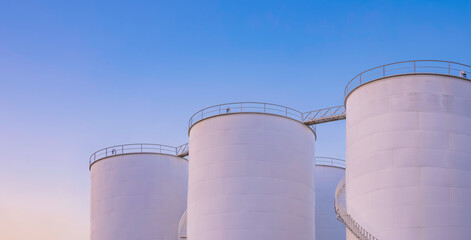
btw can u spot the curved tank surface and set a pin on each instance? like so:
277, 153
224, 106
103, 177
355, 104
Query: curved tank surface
409, 158
137, 196
329, 172
251, 177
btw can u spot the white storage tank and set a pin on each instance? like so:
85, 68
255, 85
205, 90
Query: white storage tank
329, 172
409, 152
251, 174
138, 191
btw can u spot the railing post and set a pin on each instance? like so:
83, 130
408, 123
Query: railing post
286, 111
384, 71
219, 109
264, 107
122, 149
360, 78
449, 68
240, 107
106, 153
414, 66
141, 147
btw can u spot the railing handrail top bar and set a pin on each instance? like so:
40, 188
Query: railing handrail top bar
129, 144
181, 145
422, 60
395, 63
318, 110
195, 117
330, 161
222, 104
343, 160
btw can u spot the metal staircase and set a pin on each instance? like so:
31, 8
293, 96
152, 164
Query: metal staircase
343, 216
182, 228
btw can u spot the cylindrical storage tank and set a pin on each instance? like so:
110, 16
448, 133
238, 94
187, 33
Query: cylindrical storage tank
329, 172
138, 191
409, 156
251, 174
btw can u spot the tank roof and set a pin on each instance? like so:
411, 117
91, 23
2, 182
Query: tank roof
246, 107
409, 67
138, 148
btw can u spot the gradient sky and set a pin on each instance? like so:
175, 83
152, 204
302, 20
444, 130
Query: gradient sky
77, 76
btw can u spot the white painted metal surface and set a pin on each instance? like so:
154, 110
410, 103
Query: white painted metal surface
328, 175
409, 157
138, 196
251, 178
329, 171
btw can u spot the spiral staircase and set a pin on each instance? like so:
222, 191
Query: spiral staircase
347, 219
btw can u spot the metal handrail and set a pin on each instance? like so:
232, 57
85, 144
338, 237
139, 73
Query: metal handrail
330, 161
409, 67
133, 148
179, 151
343, 216
183, 150
309, 118
324, 115
245, 107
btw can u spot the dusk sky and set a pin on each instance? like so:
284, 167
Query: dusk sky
77, 76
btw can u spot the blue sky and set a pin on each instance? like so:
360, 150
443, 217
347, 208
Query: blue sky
77, 76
